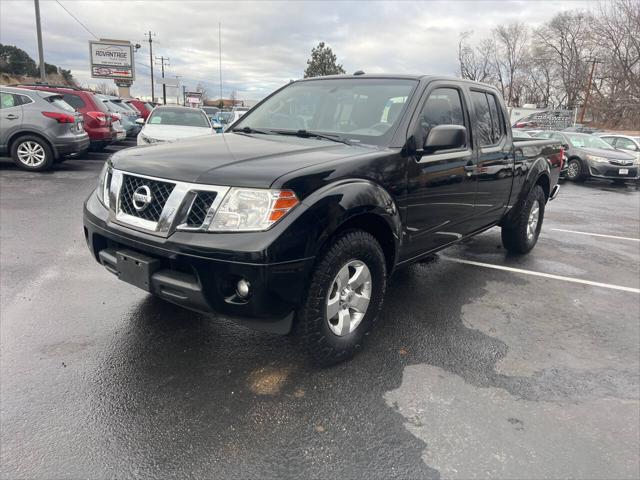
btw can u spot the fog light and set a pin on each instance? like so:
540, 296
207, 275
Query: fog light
242, 288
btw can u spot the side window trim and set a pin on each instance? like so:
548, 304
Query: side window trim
413, 125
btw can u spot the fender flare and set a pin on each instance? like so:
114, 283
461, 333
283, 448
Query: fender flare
348, 201
537, 172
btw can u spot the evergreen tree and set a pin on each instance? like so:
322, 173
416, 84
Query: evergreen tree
322, 62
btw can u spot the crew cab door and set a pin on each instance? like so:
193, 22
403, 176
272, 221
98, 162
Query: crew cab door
495, 160
440, 184
10, 117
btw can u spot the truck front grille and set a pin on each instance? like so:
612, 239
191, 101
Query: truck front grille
199, 208
160, 192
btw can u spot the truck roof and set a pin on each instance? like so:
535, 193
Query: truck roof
416, 77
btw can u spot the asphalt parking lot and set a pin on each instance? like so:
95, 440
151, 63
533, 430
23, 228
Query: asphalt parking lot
481, 365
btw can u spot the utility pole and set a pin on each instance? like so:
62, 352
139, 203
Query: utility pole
178, 89
163, 61
43, 75
184, 95
588, 93
153, 93
220, 58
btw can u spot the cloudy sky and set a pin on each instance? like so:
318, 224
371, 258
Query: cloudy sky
264, 44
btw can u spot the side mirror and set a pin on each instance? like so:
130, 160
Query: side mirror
140, 121
445, 137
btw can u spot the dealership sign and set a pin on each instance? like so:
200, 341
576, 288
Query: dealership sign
112, 59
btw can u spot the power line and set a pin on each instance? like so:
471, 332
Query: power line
76, 19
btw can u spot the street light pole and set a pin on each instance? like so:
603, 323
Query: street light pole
43, 76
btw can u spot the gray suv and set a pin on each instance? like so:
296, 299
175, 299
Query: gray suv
39, 128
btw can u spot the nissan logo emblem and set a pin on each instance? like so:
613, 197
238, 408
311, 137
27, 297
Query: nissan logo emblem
141, 198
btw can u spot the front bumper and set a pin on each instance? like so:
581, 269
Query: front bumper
612, 172
203, 278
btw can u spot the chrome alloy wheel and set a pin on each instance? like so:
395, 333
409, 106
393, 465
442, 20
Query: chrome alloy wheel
31, 153
534, 216
348, 297
573, 169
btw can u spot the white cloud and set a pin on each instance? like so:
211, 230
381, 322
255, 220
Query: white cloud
265, 43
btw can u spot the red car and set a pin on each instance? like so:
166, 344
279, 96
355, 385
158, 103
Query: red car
143, 107
97, 119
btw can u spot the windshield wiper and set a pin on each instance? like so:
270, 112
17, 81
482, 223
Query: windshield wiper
308, 134
252, 130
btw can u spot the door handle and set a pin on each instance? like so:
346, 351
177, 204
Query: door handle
12, 116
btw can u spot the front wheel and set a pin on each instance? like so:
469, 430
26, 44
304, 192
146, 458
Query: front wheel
344, 298
576, 171
522, 235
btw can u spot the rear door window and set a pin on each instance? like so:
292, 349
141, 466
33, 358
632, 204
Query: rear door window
484, 127
497, 129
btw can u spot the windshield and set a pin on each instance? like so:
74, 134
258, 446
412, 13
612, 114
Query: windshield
359, 109
183, 117
587, 141
210, 110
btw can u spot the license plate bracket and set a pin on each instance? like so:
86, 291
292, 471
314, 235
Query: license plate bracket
623, 171
136, 269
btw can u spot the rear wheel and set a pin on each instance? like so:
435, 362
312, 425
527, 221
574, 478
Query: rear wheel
522, 235
576, 171
32, 153
344, 298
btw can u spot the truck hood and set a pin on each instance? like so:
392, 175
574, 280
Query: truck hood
232, 159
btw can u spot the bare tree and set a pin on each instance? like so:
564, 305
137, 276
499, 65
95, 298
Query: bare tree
510, 51
233, 97
106, 89
475, 63
566, 42
616, 99
201, 88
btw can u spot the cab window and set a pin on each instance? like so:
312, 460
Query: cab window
443, 107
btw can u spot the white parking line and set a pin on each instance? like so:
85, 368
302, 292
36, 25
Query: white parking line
540, 274
596, 234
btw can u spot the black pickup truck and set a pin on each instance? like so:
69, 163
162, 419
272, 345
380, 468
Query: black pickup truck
294, 219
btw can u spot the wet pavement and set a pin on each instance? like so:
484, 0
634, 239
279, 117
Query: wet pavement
471, 372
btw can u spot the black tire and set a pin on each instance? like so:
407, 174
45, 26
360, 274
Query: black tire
312, 326
576, 170
43, 155
516, 237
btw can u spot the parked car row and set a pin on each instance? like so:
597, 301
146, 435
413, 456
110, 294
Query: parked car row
607, 156
42, 124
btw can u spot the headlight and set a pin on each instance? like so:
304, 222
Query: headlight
597, 159
250, 209
104, 180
